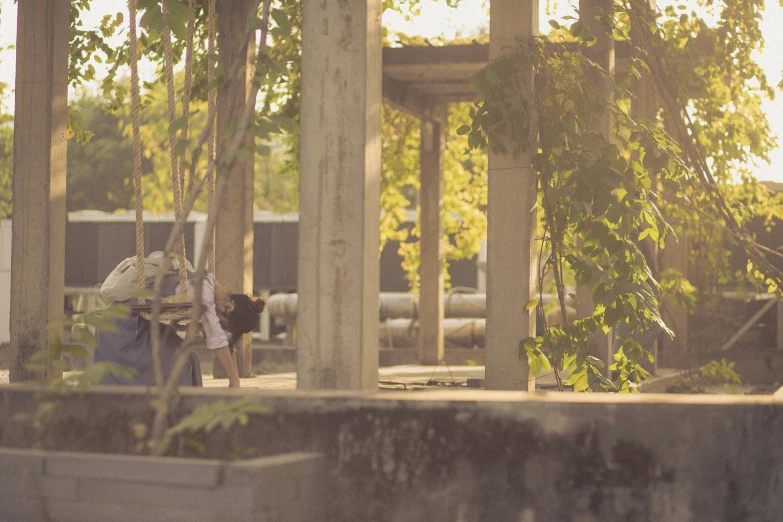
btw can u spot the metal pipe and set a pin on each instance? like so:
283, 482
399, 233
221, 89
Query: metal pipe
395, 305
404, 333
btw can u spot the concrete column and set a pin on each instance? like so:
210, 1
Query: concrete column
38, 230
603, 54
339, 192
234, 227
645, 106
675, 351
433, 145
779, 312
511, 225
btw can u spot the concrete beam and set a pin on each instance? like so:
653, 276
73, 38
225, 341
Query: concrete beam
339, 266
234, 227
511, 225
405, 98
38, 230
431, 310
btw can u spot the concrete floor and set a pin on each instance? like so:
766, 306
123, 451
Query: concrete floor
417, 378
392, 377
410, 377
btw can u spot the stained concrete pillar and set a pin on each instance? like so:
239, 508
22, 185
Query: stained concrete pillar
675, 351
603, 54
511, 225
234, 226
339, 192
38, 230
645, 106
433, 145
779, 313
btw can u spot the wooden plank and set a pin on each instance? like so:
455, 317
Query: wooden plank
753, 320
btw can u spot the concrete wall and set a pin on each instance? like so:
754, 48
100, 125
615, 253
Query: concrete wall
44, 485
482, 456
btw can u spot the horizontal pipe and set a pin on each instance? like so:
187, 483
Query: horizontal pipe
404, 333
394, 305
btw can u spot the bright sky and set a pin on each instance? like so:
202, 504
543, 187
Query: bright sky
438, 20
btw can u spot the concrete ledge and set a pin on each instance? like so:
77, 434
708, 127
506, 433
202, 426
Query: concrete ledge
456, 455
126, 468
50, 485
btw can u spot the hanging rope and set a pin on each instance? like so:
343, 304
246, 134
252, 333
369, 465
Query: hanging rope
172, 309
186, 93
135, 122
176, 172
211, 110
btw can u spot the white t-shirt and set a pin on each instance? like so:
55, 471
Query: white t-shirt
216, 337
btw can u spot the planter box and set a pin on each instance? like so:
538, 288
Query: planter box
65, 486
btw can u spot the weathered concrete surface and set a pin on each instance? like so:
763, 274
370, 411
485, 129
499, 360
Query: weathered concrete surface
511, 225
51, 485
433, 145
339, 192
481, 456
40, 125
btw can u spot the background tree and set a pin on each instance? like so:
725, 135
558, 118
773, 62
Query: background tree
6, 153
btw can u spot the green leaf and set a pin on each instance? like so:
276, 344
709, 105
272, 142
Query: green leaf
177, 124
281, 19
179, 15
531, 304
462, 130
152, 20
180, 147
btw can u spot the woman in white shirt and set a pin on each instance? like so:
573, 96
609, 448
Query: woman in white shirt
225, 318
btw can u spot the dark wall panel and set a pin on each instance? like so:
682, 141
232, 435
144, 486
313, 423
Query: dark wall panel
93, 249
81, 247
262, 255
285, 252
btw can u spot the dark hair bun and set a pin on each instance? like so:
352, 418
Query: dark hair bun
244, 317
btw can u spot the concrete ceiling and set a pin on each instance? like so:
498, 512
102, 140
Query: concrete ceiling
416, 78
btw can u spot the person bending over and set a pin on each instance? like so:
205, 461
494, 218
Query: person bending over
225, 317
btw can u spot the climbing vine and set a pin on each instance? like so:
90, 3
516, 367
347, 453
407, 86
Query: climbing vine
604, 193
593, 192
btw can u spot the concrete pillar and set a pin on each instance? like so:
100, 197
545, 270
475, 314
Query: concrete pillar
511, 225
645, 106
234, 227
38, 230
675, 351
603, 54
433, 145
778, 311
339, 193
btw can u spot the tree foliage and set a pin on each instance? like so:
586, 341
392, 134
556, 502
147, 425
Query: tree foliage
606, 195
6, 153
722, 87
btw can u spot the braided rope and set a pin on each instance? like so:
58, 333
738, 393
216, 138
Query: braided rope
176, 173
135, 118
186, 93
211, 110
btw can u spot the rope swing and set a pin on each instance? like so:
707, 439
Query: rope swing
175, 308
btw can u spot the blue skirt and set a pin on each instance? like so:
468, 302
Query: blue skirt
131, 346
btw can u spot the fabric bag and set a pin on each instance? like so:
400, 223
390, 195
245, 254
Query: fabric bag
121, 284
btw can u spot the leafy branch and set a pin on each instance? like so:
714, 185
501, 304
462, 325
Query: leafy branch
593, 192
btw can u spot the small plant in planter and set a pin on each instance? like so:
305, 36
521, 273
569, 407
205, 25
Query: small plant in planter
78, 344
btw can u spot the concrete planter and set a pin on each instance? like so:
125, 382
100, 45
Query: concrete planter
64, 486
